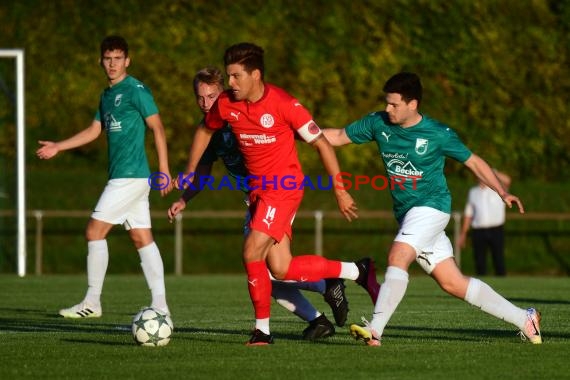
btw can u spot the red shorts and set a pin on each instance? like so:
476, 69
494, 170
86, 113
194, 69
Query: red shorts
273, 212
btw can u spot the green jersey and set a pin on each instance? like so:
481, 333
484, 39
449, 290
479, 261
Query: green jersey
122, 111
414, 159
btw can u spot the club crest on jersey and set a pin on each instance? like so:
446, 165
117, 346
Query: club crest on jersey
266, 120
118, 99
421, 146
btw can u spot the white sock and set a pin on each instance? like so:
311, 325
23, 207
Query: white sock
391, 293
97, 262
349, 271
263, 325
287, 294
153, 270
483, 296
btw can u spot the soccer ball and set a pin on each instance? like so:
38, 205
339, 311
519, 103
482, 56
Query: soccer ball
152, 328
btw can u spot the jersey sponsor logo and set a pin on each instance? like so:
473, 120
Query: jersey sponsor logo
400, 156
248, 139
421, 146
118, 99
111, 124
269, 216
387, 136
236, 115
404, 169
266, 120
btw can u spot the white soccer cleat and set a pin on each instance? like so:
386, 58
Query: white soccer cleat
81, 310
532, 326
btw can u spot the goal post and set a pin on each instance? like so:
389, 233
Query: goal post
18, 55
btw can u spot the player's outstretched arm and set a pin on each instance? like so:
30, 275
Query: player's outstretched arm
154, 122
346, 204
202, 138
176, 208
336, 136
486, 175
49, 149
195, 187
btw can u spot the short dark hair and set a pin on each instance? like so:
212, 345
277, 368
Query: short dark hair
111, 43
209, 75
247, 54
408, 85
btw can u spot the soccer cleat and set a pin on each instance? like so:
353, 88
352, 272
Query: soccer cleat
319, 327
367, 278
81, 310
365, 333
532, 326
336, 298
259, 338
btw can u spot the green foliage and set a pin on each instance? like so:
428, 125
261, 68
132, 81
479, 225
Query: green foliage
498, 72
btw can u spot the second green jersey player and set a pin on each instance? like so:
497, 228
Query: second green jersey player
413, 148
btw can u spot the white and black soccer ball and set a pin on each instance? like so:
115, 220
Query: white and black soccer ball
152, 328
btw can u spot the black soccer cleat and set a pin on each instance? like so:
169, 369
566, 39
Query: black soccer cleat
319, 327
367, 278
336, 298
259, 338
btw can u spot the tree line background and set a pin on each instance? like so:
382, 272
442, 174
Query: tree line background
496, 71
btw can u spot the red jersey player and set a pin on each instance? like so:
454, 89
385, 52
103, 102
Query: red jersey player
265, 119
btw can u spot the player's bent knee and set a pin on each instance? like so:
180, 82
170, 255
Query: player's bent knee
279, 275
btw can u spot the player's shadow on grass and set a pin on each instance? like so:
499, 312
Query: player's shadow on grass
517, 300
216, 335
39, 326
538, 301
462, 334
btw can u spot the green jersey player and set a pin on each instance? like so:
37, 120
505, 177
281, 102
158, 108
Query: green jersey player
126, 109
413, 148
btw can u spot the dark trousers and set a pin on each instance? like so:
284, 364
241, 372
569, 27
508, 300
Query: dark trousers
492, 238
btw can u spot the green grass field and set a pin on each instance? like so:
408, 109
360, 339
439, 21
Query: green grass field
431, 336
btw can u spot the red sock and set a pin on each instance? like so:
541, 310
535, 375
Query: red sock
312, 268
259, 286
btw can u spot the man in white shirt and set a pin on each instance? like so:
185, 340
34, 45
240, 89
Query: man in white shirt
485, 214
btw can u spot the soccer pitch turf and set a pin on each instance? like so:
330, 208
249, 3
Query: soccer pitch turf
431, 335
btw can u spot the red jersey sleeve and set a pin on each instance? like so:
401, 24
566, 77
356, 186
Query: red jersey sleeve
302, 120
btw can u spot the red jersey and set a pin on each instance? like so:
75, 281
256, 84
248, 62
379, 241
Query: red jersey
266, 131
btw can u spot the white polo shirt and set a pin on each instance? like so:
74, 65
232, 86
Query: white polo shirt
486, 208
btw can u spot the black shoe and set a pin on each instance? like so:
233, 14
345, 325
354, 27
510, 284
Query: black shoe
319, 327
367, 277
259, 338
336, 298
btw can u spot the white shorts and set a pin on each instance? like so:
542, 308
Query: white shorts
125, 201
424, 229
